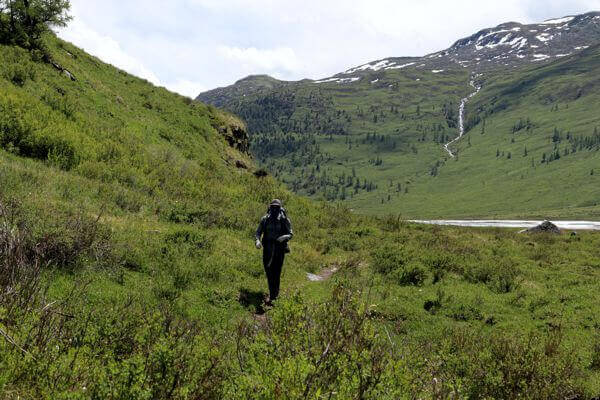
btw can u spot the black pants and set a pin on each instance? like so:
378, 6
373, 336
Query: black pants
273, 255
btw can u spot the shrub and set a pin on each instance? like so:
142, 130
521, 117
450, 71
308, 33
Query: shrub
465, 312
61, 103
191, 238
413, 273
388, 258
501, 276
466, 364
19, 74
595, 364
432, 306
19, 130
326, 351
346, 241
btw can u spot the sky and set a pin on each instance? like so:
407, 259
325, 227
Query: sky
190, 46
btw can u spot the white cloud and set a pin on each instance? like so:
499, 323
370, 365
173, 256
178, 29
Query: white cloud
107, 49
262, 59
186, 87
197, 44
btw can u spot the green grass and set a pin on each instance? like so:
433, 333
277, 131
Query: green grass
129, 201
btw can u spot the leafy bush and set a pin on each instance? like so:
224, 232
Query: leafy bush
61, 103
465, 364
58, 243
19, 130
347, 241
333, 351
432, 306
19, 74
595, 364
388, 258
502, 276
413, 273
465, 312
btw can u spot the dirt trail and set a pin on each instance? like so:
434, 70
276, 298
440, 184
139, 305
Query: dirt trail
324, 274
260, 316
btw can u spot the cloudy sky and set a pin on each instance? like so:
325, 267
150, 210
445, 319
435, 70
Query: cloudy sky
190, 46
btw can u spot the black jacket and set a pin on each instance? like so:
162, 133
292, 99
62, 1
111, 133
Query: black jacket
272, 228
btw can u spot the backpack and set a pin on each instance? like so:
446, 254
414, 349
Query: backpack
286, 248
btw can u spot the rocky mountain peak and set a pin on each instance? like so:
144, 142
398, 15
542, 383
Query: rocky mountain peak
512, 44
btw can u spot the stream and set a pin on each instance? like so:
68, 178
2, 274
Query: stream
461, 118
566, 225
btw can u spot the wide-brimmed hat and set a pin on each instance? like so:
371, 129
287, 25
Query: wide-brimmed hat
275, 203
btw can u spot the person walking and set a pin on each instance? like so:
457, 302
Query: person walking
272, 235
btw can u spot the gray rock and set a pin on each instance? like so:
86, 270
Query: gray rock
544, 227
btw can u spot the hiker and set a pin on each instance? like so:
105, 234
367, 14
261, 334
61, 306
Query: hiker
276, 230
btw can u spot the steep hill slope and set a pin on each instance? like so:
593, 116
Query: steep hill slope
370, 135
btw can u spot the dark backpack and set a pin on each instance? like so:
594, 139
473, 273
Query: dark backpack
286, 248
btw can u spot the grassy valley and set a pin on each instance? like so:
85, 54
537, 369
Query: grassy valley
128, 268
372, 137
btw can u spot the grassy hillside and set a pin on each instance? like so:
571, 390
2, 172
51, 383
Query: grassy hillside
355, 141
537, 154
127, 266
376, 143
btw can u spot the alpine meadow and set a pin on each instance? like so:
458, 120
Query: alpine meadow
128, 268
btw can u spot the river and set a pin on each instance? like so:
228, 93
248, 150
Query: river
490, 223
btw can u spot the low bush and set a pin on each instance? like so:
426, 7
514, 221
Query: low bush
413, 273
388, 258
465, 364
501, 275
331, 351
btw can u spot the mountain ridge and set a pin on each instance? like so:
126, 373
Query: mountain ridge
488, 39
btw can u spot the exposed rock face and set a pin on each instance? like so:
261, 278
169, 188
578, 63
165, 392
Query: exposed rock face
233, 130
236, 136
546, 226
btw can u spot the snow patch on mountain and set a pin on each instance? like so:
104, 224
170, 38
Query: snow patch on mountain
339, 80
380, 65
558, 21
541, 57
375, 67
544, 37
401, 66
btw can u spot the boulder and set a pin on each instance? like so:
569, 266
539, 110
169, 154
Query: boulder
544, 227
261, 173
